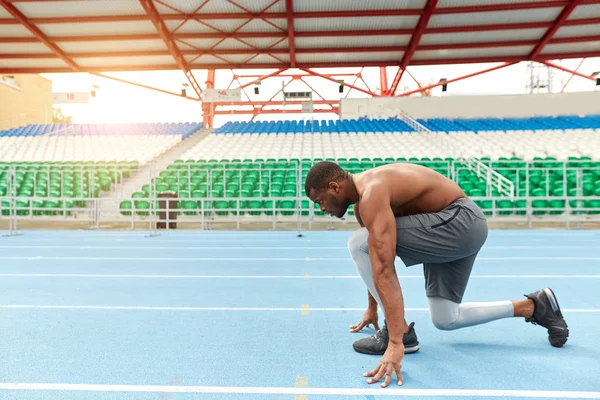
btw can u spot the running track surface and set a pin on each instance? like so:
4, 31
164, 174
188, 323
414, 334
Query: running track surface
265, 315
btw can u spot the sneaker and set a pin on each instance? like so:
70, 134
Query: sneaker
547, 313
377, 343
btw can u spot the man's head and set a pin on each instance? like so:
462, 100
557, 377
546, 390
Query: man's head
328, 185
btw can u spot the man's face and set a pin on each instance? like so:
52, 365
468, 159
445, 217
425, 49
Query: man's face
330, 200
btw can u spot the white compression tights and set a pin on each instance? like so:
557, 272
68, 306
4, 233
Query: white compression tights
448, 315
445, 314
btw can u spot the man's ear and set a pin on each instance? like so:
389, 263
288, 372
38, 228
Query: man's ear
334, 186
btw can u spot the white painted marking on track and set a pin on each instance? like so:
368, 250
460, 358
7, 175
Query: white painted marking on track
389, 391
178, 258
152, 246
166, 308
271, 258
305, 277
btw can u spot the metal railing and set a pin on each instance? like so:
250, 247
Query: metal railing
213, 207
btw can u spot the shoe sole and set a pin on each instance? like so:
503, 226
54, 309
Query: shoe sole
556, 308
407, 350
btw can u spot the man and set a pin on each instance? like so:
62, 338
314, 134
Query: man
419, 215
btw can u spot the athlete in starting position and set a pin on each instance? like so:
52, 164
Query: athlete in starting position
422, 217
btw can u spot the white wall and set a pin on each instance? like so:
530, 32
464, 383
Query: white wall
503, 106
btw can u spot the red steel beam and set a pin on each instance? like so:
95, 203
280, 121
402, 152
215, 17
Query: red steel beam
275, 102
171, 67
414, 42
485, 71
160, 26
329, 78
274, 35
335, 110
572, 75
20, 18
142, 86
326, 50
208, 108
262, 78
289, 5
562, 17
567, 70
313, 14
383, 81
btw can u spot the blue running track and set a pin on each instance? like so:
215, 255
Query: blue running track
265, 315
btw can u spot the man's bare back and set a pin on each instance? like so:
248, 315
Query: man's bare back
413, 189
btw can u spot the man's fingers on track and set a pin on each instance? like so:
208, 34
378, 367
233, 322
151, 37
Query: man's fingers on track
373, 371
388, 376
399, 374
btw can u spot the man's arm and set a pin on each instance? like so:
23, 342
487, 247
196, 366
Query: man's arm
379, 220
371, 299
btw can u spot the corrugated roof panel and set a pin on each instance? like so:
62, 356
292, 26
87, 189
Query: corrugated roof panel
259, 25
119, 61
320, 5
97, 28
264, 43
196, 43
32, 63
232, 58
579, 30
336, 57
352, 41
471, 53
14, 31
89, 8
226, 25
183, 6
468, 3
233, 44
114, 45
208, 59
4, 13
223, 6
191, 26
571, 48
481, 37
586, 11
356, 23
24, 48
267, 59
495, 17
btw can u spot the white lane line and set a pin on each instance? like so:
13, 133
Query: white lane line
152, 246
389, 391
179, 258
270, 258
156, 308
304, 277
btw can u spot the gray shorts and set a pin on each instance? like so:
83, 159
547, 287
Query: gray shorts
446, 243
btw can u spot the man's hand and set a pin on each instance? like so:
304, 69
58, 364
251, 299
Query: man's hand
369, 317
390, 362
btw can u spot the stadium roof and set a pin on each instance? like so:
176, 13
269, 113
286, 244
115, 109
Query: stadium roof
122, 35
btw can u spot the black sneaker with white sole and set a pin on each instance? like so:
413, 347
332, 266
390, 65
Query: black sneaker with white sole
547, 314
377, 343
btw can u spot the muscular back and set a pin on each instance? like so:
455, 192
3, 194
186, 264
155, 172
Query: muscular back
412, 189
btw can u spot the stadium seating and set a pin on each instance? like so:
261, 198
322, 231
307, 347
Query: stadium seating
398, 125
259, 160
53, 181
182, 129
74, 162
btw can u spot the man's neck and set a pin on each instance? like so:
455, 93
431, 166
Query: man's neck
354, 195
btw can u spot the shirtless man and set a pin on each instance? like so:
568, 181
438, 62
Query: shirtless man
422, 217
